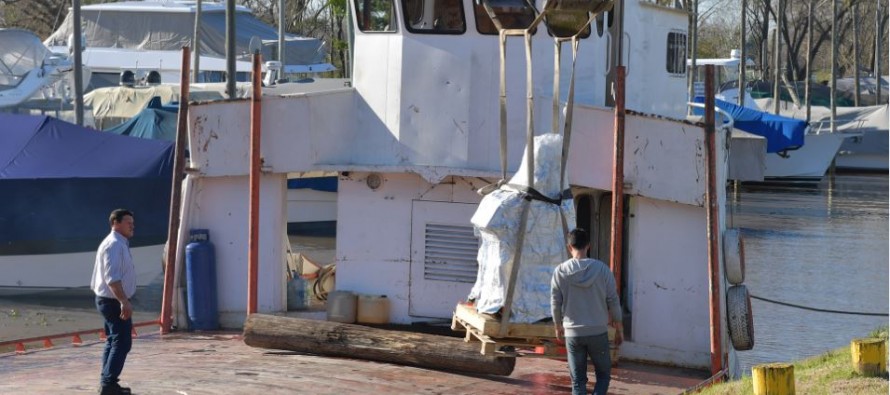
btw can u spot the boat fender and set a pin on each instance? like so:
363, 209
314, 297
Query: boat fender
740, 317
734, 256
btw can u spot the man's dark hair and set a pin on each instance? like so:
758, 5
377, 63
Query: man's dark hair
118, 215
578, 239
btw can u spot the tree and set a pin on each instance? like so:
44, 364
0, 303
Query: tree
719, 32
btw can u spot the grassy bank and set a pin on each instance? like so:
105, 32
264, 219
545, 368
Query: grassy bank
829, 373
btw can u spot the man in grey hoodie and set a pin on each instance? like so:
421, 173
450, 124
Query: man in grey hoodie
582, 297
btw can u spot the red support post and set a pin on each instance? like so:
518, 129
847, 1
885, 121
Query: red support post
616, 247
166, 319
713, 216
255, 163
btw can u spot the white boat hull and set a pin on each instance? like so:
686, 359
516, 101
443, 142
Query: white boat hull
30, 274
866, 152
810, 162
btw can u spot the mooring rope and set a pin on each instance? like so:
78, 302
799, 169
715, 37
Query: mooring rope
819, 310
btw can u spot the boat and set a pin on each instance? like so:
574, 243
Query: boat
808, 160
726, 78
416, 135
58, 184
28, 68
865, 128
144, 36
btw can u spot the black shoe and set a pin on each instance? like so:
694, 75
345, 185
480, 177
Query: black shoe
114, 389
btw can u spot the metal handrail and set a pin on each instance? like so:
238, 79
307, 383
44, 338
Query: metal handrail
728, 122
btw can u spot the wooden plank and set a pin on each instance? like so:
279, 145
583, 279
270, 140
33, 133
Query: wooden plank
491, 326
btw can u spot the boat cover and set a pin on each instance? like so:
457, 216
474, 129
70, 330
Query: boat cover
497, 222
43, 147
20, 52
60, 181
170, 31
781, 133
113, 105
156, 121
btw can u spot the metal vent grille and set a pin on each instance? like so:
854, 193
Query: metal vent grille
450, 253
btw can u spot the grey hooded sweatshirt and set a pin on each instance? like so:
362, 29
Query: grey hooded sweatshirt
582, 295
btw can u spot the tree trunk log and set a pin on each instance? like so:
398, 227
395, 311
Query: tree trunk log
362, 342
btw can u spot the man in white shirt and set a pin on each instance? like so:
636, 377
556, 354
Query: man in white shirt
114, 283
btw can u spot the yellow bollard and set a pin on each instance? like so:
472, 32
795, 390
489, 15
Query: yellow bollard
773, 379
869, 356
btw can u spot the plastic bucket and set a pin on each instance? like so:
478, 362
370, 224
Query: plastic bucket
341, 307
373, 309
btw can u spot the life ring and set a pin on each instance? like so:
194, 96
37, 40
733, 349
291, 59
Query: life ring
740, 317
734, 256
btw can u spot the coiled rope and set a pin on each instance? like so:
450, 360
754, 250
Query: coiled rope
819, 310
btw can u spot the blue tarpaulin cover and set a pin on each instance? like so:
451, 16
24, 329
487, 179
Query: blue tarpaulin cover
59, 182
44, 147
781, 133
156, 121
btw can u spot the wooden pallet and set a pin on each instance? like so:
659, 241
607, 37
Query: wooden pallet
522, 340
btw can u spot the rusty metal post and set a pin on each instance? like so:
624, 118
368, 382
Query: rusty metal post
713, 216
166, 319
255, 163
616, 247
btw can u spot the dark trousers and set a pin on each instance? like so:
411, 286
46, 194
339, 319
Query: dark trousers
120, 339
597, 349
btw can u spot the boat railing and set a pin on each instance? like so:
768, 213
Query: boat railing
824, 126
727, 121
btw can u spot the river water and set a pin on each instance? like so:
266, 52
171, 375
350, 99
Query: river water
823, 246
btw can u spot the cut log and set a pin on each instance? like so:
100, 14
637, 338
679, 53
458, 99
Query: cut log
362, 342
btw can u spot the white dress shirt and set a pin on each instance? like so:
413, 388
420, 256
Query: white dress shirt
114, 263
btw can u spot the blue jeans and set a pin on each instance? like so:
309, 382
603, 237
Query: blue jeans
120, 339
597, 348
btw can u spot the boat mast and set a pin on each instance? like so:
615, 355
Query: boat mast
196, 42
878, 42
777, 56
833, 63
281, 34
230, 49
855, 11
809, 56
78, 63
741, 98
693, 49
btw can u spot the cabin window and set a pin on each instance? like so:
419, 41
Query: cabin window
434, 16
375, 15
676, 53
511, 16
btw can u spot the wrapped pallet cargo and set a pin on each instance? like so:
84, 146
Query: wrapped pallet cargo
539, 247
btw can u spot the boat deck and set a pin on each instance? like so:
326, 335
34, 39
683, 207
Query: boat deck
220, 363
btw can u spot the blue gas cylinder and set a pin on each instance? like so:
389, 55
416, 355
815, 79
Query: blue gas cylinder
200, 266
